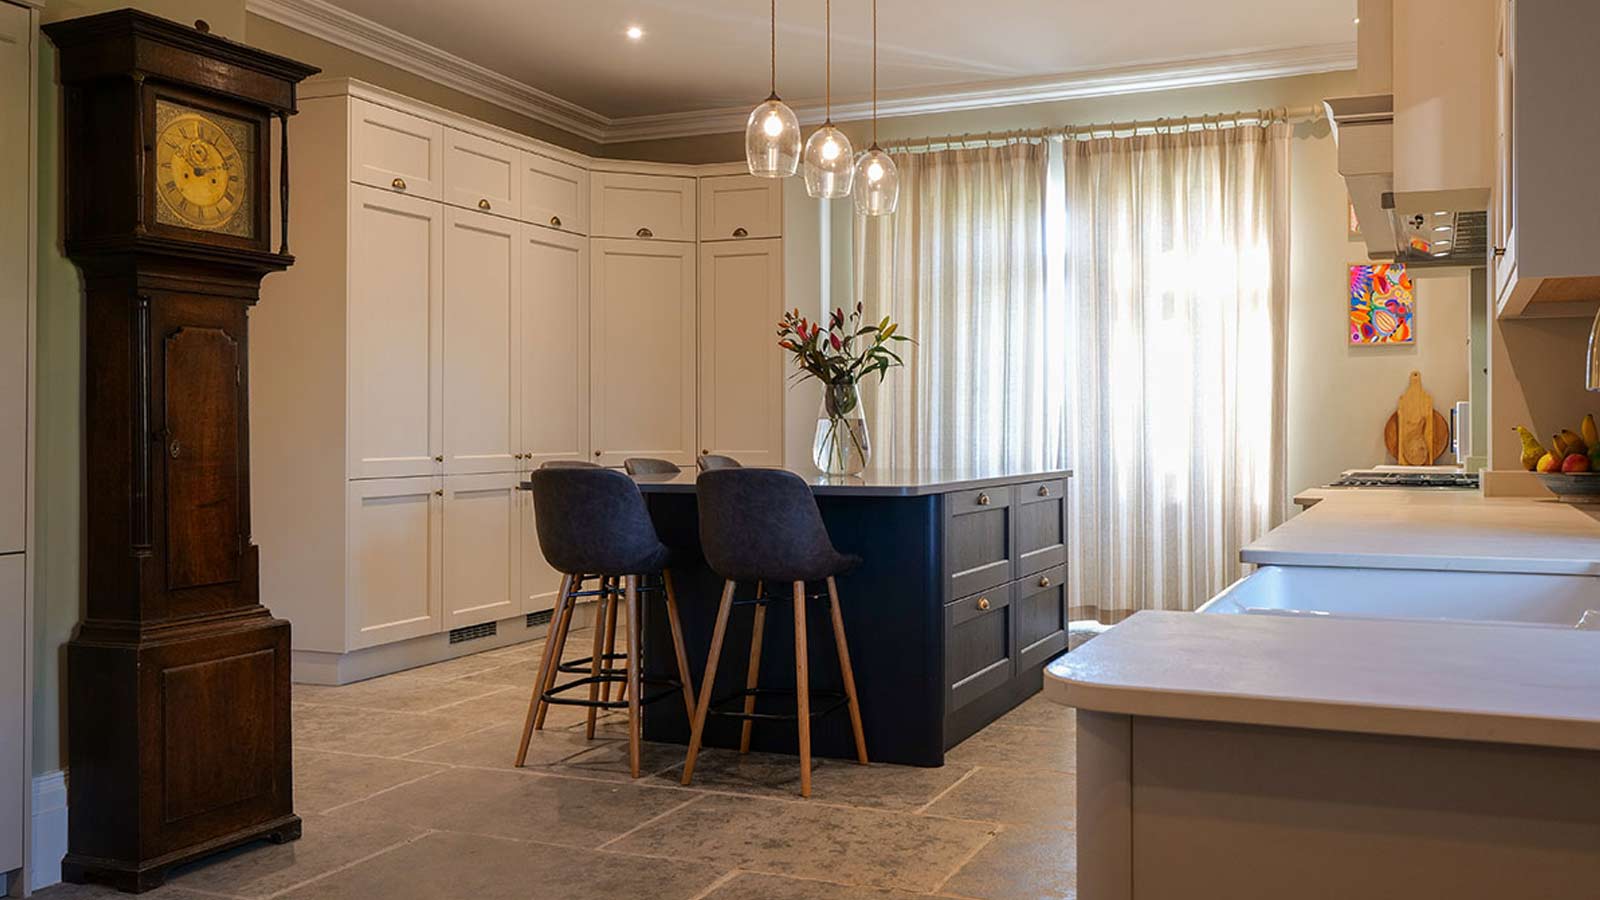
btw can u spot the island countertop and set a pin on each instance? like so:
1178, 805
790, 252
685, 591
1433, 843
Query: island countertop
919, 482
1462, 681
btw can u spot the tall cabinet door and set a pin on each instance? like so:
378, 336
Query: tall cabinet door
741, 367
13, 694
482, 282
394, 566
481, 545
539, 581
642, 306
15, 247
553, 349
396, 310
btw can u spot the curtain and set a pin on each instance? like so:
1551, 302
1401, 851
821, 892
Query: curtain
1176, 252
962, 266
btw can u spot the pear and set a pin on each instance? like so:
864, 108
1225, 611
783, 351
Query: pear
1531, 450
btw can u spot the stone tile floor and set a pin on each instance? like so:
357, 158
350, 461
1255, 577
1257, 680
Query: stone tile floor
407, 790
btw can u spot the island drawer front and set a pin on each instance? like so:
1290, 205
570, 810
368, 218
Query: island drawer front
1041, 526
980, 540
980, 644
1040, 610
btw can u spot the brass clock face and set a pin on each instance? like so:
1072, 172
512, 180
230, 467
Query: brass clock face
204, 170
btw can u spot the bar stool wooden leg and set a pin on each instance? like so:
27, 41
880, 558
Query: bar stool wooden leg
635, 665
802, 687
677, 643
757, 628
622, 614
847, 672
594, 662
611, 640
557, 647
703, 699
534, 703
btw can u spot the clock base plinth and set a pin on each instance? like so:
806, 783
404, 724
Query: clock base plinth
136, 879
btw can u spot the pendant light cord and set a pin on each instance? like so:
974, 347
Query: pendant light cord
874, 72
827, 60
775, 47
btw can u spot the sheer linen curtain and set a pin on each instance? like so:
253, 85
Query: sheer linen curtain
1176, 251
962, 266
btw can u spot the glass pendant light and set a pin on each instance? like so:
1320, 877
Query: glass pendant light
877, 180
829, 160
772, 135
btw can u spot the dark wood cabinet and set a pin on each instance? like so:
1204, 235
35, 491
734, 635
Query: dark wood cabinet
979, 644
979, 539
177, 678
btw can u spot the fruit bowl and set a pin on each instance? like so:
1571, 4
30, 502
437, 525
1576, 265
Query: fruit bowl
1581, 487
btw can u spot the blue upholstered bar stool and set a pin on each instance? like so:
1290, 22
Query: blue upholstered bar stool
763, 525
646, 465
593, 523
709, 461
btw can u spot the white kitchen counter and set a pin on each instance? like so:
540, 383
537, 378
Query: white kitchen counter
1436, 529
1501, 684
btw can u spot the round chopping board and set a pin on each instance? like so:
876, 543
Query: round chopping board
1441, 435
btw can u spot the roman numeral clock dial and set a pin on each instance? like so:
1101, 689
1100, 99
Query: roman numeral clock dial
203, 170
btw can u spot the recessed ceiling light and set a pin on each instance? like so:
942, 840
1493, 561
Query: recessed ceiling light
634, 32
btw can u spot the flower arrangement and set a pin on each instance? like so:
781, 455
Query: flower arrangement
839, 355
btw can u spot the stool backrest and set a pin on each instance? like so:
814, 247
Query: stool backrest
644, 465
762, 524
568, 464
710, 461
593, 521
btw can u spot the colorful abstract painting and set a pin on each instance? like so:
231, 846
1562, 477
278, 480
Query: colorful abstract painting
1382, 304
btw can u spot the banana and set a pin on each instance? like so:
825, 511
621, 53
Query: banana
1531, 449
1558, 446
1591, 434
1575, 444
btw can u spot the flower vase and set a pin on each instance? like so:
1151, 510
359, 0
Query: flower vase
841, 446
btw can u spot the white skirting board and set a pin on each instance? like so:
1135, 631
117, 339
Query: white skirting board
49, 828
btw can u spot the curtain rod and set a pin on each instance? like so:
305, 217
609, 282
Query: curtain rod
1261, 117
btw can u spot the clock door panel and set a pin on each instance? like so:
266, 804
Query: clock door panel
202, 457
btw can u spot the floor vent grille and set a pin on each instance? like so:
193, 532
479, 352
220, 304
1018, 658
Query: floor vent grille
542, 617
473, 632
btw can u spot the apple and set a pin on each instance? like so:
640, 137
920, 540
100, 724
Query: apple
1548, 463
1574, 463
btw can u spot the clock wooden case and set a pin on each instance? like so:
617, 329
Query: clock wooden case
177, 677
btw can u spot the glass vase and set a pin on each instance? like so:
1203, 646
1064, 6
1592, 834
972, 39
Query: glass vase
842, 446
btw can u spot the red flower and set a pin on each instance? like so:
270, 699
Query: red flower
834, 340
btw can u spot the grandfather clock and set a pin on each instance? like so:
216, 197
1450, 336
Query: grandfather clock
177, 677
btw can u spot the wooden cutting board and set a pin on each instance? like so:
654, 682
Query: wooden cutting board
1441, 435
1414, 440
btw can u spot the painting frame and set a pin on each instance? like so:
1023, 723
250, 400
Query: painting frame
1380, 304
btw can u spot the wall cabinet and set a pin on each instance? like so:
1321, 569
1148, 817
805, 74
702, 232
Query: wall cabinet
741, 374
738, 207
658, 207
396, 151
395, 562
482, 284
642, 382
555, 194
553, 346
481, 174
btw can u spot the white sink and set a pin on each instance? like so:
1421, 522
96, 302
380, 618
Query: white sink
1556, 601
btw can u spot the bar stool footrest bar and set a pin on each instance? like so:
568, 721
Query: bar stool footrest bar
838, 701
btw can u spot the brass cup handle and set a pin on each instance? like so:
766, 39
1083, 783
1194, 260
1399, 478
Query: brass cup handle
644, 232
983, 499
1044, 490
555, 221
483, 203
1044, 581
398, 184
740, 232
983, 603
439, 458
597, 453
438, 493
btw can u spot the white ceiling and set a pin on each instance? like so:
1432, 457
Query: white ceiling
700, 55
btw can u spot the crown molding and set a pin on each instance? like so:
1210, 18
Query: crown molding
338, 26
346, 29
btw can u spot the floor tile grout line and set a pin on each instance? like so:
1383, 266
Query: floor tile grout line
381, 792
941, 795
721, 880
993, 833
647, 823
352, 864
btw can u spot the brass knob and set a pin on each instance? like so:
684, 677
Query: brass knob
704, 452
740, 232
555, 221
175, 449
398, 184
597, 453
983, 499
1044, 581
438, 493
439, 458
645, 232
1044, 490
483, 203
983, 602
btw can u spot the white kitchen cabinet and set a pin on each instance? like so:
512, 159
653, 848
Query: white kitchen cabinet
396, 296
482, 540
481, 353
13, 694
538, 581
740, 207
642, 383
482, 174
16, 254
553, 346
394, 580
395, 151
741, 367
656, 207
555, 194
